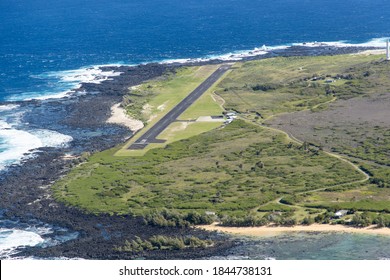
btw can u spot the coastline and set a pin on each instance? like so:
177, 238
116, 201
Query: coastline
276, 230
119, 116
25, 189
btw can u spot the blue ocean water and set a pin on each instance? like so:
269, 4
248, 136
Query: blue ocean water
40, 36
48, 47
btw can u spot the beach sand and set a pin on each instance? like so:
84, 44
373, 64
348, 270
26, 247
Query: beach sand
371, 52
119, 116
275, 230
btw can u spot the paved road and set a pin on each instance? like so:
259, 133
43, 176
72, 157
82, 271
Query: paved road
171, 116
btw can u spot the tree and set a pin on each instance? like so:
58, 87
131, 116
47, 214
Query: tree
308, 221
380, 221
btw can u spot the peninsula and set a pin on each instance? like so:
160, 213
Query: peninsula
290, 140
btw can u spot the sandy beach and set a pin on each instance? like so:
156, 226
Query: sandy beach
274, 230
371, 52
119, 116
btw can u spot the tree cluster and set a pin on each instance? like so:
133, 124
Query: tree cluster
171, 218
161, 242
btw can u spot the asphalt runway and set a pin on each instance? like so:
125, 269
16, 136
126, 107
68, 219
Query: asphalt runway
171, 116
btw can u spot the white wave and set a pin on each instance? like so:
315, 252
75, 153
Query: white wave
232, 56
72, 79
39, 96
318, 44
93, 74
4, 108
11, 239
18, 144
50, 138
242, 54
66, 82
28, 96
4, 125
375, 42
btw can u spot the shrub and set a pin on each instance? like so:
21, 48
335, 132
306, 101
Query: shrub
307, 221
171, 218
246, 221
161, 242
264, 87
288, 222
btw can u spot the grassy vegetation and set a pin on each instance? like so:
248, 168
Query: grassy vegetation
374, 144
247, 174
263, 89
152, 100
279, 85
238, 168
275, 207
365, 198
204, 106
183, 130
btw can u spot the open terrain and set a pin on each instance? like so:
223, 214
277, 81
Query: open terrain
311, 138
150, 136
151, 102
234, 169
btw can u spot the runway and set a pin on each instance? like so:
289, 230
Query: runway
150, 135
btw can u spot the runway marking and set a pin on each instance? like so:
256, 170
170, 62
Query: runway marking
150, 135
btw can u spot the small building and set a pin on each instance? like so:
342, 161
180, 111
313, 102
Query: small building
230, 117
340, 213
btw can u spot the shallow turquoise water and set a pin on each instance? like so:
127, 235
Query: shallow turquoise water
313, 246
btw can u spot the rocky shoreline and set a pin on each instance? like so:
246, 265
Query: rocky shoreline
25, 189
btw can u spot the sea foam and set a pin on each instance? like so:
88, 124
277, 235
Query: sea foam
15, 235
60, 84
8, 107
66, 82
259, 51
17, 145
375, 43
50, 138
92, 74
11, 239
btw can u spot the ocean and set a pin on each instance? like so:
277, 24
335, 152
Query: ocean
311, 246
48, 48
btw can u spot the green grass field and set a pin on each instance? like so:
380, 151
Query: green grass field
280, 85
156, 98
244, 172
228, 170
